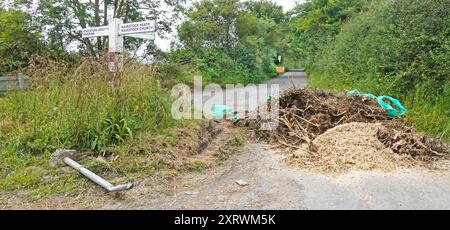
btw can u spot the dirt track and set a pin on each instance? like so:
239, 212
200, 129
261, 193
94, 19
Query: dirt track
273, 185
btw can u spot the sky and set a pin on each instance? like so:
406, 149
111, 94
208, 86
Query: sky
164, 44
287, 4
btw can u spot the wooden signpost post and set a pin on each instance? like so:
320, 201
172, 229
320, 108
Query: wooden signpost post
116, 30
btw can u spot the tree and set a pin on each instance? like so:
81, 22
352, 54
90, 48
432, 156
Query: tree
266, 9
17, 41
211, 23
315, 23
260, 35
61, 20
239, 37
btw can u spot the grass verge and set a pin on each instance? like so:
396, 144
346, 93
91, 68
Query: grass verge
123, 131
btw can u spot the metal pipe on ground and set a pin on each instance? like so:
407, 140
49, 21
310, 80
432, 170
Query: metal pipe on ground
95, 178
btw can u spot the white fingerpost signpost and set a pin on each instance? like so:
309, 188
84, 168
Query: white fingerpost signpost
116, 30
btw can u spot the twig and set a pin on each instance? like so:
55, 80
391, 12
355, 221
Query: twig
292, 82
288, 145
303, 119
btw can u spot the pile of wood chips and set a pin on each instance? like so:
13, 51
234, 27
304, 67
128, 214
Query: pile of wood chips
306, 115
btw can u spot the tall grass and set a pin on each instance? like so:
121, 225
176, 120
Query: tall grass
81, 111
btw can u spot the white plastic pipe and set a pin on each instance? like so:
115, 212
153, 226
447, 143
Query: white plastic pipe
98, 180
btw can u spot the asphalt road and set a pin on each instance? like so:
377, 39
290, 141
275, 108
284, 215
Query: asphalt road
274, 185
248, 98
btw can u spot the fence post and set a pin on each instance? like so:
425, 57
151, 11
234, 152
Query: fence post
22, 81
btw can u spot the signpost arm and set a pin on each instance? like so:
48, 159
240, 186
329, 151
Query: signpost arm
115, 31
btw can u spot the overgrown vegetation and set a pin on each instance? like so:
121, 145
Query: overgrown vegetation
397, 48
314, 24
82, 110
230, 41
17, 41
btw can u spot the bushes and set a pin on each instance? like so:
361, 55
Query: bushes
314, 24
22, 49
230, 41
400, 48
217, 66
17, 43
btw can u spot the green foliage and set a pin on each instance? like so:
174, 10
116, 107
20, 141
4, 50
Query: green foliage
115, 130
88, 116
398, 48
219, 67
60, 20
22, 178
238, 139
197, 166
17, 42
83, 111
232, 42
314, 24
210, 25
266, 9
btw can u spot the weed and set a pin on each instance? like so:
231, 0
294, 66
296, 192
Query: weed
197, 166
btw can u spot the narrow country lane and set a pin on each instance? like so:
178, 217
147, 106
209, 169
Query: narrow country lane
274, 185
